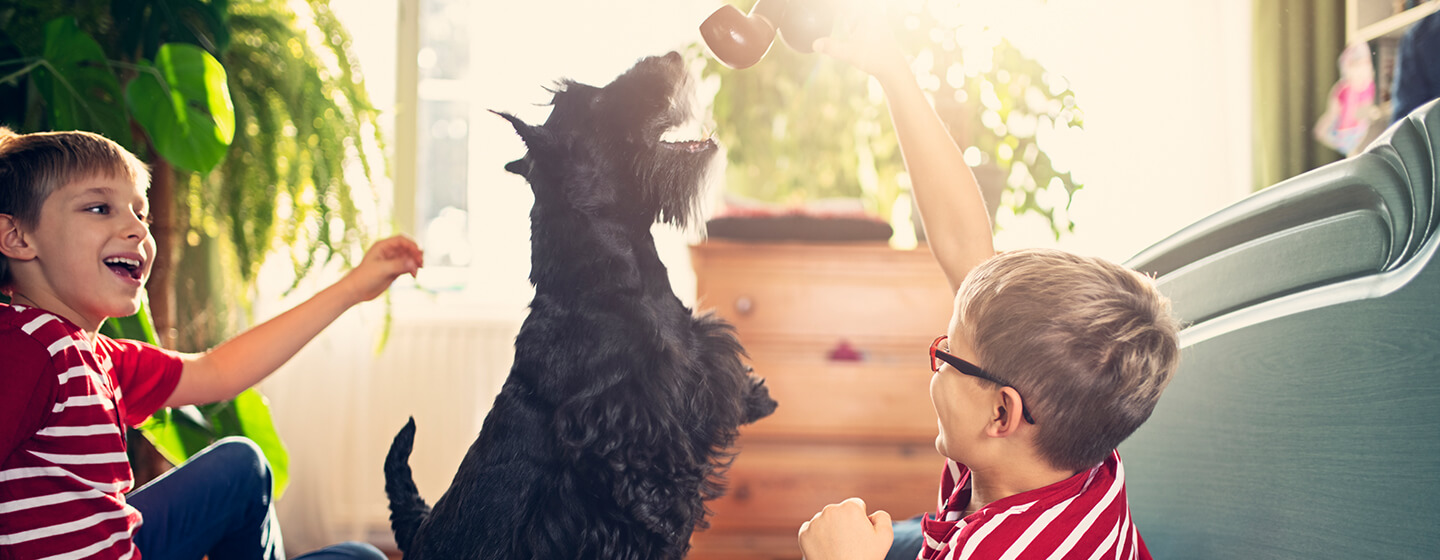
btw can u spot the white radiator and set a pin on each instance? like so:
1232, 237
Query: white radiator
338, 405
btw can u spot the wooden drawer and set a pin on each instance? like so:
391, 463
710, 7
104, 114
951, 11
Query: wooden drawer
869, 294
843, 428
882, 398
777, 486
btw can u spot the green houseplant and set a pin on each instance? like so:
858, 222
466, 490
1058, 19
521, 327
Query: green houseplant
803, 126
247, 111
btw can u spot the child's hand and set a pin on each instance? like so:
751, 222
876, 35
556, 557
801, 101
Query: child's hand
868, 46
385, 261
842, 531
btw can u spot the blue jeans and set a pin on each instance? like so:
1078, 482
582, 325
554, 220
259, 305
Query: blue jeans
908, 540
217, 504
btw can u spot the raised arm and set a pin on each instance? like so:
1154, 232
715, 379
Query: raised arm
249, 357
957, 226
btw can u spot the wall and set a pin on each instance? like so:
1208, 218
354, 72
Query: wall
1166, 91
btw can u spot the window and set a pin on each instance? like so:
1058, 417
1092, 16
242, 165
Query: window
471, 216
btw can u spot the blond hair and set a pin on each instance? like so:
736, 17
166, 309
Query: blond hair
1087, 343
33, 166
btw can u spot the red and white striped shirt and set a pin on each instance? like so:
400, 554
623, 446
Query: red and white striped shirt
63, 468
1085, 516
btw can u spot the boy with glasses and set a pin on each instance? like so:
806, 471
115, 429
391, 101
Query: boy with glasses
1049, 362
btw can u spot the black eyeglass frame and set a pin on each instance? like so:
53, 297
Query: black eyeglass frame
937, 355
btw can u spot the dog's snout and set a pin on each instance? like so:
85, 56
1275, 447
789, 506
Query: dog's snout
670, 62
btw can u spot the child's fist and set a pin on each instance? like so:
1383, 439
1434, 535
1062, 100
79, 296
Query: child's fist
385, 261
842, 531
868, 45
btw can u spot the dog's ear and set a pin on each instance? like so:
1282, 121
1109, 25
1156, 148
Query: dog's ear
519, 167
534, 138
524, 130
532, 135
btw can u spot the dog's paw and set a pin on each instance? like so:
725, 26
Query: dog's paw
758, 403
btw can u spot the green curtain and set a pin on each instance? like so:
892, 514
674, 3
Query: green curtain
1297, 44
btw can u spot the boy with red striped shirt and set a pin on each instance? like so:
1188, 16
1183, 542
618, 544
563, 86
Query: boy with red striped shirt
1049, 362
75, 249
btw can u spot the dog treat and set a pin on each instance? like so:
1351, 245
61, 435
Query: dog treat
741, 40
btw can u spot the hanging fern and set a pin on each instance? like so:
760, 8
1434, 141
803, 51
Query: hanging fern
300, 172
299, 123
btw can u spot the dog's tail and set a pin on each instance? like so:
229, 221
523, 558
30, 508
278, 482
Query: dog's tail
407, 508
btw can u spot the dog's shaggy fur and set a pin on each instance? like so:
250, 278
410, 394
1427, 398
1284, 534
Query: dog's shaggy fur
616, 421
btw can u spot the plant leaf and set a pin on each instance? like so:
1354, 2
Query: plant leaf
182, 432
135, 327
178, 433
81, 89
252, 412
183, 101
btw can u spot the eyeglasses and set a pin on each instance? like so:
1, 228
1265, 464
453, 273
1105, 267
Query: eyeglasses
938, 356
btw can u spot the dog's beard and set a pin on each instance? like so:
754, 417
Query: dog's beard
683, 163
677, 177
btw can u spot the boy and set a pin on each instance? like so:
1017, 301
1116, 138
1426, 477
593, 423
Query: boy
1049, 362
75, 250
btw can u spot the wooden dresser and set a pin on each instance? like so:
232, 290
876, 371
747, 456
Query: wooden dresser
843, 428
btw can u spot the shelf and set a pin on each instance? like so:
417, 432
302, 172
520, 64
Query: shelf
1362, 23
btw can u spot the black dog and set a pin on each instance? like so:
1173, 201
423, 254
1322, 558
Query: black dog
615, 424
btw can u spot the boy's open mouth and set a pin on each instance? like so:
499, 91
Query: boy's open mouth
124, 267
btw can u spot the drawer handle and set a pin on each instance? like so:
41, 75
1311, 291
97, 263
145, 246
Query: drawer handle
741, 492
845, 352
744, 305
